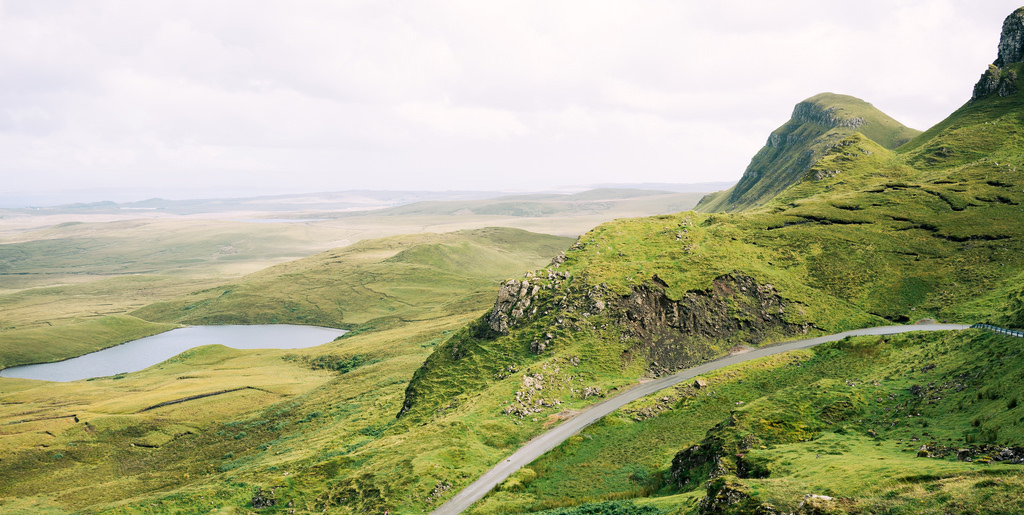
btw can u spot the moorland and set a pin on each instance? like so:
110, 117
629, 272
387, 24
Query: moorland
466, 344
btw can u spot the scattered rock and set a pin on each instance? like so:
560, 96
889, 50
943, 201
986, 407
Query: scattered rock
263, 499
816, 505
723, 496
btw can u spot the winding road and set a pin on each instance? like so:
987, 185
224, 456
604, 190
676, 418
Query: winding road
543, 443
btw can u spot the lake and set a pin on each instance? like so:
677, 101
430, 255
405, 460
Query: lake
146, 352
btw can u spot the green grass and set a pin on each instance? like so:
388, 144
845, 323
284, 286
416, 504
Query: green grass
41, 345
867, 235
65, 267
884, 240
306, 412
372, 282
806, 419
818, 125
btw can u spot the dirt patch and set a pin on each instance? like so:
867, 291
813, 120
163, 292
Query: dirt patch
561, 416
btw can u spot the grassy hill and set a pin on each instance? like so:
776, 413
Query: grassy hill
818, 125
210, 424
865, 236
369, 283
867, 232
892, 235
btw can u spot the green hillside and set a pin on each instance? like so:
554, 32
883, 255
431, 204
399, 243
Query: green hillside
818, 124
208, 425
865, 235
849, 229
369, 283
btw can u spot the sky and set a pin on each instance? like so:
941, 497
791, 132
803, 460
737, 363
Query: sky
125, 100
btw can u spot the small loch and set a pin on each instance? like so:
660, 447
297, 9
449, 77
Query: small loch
146, 352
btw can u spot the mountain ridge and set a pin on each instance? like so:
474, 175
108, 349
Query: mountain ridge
816, 125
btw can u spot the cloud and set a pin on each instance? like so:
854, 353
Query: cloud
315, 95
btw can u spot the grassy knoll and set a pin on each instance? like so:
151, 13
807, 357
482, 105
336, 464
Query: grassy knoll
43, 345
372, 282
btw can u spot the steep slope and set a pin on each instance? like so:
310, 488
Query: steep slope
863, 235
818, 124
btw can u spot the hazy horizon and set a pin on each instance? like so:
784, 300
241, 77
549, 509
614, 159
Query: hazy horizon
64, 198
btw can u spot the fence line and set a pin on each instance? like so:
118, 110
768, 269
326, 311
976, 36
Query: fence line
1000, 330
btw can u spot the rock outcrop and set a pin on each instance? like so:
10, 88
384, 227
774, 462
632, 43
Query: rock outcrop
683, 333
811, 112
1011, 39
1001, 76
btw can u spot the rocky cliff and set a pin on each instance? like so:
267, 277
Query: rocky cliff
1001, 76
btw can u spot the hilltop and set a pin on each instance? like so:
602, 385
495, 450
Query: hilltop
818, 124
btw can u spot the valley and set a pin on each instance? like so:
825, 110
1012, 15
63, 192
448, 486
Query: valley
722, 340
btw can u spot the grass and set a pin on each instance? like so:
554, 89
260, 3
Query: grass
304, 412
884, 240
818, 125
68, 267
369, 283
42, 345
774, 415
930, 230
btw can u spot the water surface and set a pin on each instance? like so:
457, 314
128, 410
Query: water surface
146, 352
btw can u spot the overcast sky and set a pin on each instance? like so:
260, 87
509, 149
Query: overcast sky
127, 99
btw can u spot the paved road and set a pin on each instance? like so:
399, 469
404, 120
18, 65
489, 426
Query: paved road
541, 444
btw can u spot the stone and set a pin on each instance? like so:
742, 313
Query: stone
262, 499
1000, 78
1011, 39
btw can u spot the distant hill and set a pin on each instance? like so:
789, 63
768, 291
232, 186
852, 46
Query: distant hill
818, 124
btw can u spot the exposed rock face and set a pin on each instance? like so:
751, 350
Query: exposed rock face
518, 301
514, 299
1011, 40
676, 335
1001, 76
810, 112
725, 496
996, 80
